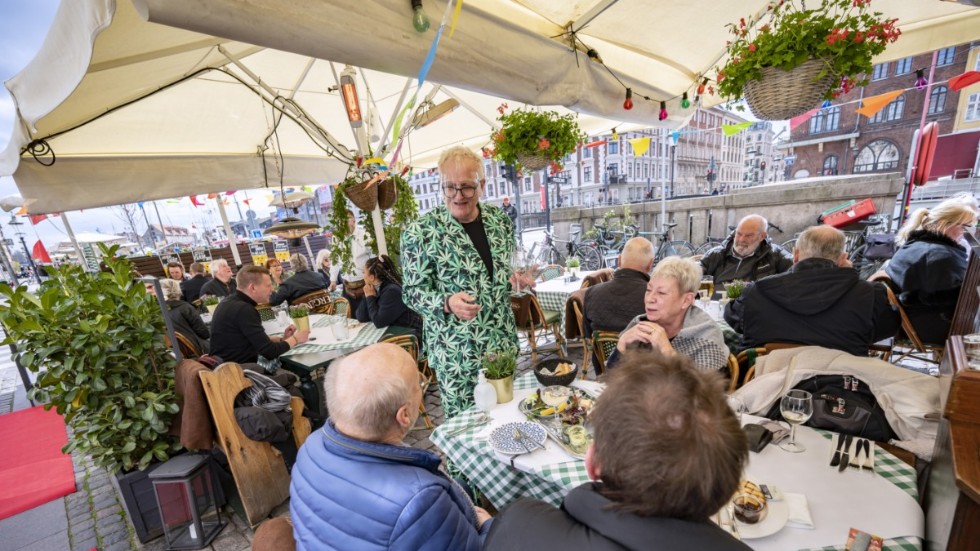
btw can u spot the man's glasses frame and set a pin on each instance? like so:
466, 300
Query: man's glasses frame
466, 191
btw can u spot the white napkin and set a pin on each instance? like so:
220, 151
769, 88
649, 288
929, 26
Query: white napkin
799, 511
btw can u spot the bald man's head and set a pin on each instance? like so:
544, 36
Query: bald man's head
825, 242
749, 234
373, 394
637, 255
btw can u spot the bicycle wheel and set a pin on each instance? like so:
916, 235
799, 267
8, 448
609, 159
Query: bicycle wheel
589, 257
680, 248
788, 245
706, 246
552, 256
865, 266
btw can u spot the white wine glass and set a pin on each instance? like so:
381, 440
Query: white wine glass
796, 407
518, 262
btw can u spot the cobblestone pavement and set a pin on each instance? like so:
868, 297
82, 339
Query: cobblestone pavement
96, 518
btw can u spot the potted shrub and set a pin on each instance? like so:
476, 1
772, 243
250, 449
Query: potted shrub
573, 264
210, 302
498, 368
96, 341
734, 289
301, 317
533, 140
790, 58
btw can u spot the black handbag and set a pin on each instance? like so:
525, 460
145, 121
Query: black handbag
844, 404
879, 246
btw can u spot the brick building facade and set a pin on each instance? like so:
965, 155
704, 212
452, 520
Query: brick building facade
839, 141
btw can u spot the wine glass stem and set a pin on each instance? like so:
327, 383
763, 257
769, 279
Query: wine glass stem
792, 434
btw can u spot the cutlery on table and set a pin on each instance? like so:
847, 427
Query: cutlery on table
731, 520
845, 455
519, 438
835, 460
479, 421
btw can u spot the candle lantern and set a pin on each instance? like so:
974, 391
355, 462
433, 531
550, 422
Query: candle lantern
185, 493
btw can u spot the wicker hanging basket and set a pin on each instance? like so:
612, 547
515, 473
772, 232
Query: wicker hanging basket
363, 195
387, 193
781, 95
533, 161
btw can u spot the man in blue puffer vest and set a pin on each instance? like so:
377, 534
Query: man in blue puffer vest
356, 486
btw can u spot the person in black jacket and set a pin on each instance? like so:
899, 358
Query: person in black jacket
747, 254
668, 454
383, 304
930, 265
303, 281
237, 334
191, 288
820, 301
223, 284
185, 318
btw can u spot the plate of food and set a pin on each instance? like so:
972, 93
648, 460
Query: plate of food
562, 412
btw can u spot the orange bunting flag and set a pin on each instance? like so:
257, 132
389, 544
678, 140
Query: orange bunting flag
212, 195
35, 220
596, 143
800, 119
959, 82
22, 211
870, 106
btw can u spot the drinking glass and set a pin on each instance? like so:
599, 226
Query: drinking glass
796, 407
519, 261
738, 406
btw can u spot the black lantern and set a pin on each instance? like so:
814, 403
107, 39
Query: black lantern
185, 494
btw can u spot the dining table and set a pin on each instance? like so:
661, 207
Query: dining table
882, 502
553, 294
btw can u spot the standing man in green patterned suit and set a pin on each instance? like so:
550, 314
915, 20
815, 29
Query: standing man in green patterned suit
457, 275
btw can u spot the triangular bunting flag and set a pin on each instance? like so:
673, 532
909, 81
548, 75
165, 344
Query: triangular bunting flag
959, 82
732, 129
195, 202
870, 106
35, 220
800, 119
640, 145
40, 253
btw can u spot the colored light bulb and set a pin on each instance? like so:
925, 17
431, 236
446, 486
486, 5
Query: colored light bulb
628, 104
685, 103
615, 135
702, 86
420, 20
663, 111
920, 80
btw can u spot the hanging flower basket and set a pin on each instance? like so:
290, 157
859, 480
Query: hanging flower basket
533, 162
363, 195
387, 193
780, 95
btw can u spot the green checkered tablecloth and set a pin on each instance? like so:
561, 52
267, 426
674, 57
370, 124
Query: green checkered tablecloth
503, 484
369, 334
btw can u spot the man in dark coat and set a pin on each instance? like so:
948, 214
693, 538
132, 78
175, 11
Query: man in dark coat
302, 282
820, 301
223, 284
510, 210
668, 454
747, 254
612, 305
191, 288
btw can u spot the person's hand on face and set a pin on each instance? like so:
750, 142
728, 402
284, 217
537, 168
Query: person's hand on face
646, 332
464, 306
370, 290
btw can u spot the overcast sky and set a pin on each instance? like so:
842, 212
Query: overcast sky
23, 26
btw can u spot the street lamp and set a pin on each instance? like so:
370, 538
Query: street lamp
17, 231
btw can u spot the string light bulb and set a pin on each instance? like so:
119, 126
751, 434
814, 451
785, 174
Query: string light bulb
615, 135
685, 103
702, 86
663, 111
420, 19
920, 79
628, 104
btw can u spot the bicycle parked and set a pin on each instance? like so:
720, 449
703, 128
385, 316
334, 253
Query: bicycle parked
870, 248
668, 246
587, 253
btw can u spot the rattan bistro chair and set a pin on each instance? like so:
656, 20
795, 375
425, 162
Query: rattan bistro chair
533, 321
549, 272
411, 346
603, 344
318, 302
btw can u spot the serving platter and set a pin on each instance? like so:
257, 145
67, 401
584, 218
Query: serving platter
566, 426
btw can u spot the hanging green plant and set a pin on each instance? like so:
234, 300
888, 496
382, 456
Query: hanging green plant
534, 140
404, 210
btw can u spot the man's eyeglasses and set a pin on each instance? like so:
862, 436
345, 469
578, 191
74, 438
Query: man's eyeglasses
467, 191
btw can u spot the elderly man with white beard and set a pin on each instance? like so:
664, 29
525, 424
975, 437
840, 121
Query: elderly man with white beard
747, 254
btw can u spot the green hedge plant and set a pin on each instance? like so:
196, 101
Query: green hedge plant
96, 342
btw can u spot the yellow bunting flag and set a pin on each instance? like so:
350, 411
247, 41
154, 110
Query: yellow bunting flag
640, 145
870, 106
459, 8
732, 129
374, 161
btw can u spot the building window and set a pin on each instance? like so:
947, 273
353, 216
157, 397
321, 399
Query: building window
613, 169
946, 56
614, 147
877, 155
830, 165
587, 174
880, 72
973, 108
586, 152
826, 120
893, 111
903, 66
937, 100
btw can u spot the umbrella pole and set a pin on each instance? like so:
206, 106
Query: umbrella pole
379, 231
71, 235
232, 239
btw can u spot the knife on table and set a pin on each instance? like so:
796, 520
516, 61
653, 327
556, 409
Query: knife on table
844, 458
834, 461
